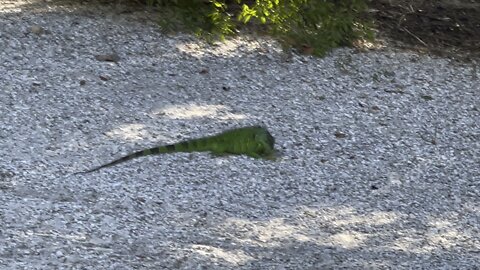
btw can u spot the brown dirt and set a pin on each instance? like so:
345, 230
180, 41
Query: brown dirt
448, 28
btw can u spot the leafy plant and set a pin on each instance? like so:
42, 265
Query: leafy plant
318, 25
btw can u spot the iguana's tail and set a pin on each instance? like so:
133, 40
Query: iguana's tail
197, 145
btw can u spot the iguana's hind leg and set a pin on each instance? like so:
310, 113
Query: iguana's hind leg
254, 155
219, 154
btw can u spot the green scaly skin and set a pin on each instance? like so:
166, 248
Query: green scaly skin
254, 141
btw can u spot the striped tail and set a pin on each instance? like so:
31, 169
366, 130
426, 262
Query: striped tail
151, 151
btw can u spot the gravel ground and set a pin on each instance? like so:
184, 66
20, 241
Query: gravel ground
379, 164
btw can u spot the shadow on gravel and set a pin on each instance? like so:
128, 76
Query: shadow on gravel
346, 241
309, 256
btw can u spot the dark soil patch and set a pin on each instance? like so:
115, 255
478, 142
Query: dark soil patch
441, 27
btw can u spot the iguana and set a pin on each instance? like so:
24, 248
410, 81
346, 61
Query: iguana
253, 141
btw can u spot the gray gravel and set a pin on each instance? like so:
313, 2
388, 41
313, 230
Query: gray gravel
379, 164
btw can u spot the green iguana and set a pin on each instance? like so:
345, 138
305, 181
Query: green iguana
254, 141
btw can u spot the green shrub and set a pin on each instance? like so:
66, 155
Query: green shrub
208, 19
317, 24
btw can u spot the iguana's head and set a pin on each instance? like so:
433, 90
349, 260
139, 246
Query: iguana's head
265, 141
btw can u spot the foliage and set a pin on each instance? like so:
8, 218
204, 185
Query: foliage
208, 19
316, 24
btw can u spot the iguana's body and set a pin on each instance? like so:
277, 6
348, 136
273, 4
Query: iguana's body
254, 141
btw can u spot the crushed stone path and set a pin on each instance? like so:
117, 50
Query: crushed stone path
379, 166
